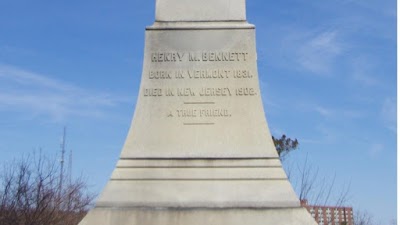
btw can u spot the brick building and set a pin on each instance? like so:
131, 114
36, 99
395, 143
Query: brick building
329, 215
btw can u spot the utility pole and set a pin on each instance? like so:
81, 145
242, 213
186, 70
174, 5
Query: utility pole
70, 167
62, 158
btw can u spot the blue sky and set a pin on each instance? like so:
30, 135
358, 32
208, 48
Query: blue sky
327, 74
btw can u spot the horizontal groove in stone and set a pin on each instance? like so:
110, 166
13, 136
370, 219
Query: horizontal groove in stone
201, 25
198, 173
192, 167
216, 179
201, 163
203, 206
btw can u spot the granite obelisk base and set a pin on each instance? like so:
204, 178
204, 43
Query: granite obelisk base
199, 150
156, 216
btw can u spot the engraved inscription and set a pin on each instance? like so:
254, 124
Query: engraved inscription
245, 92
211, 56
169, 92
202, 92
194, 57
160, 75
167, 56
152, 92
199, 80
214, 113
199, 74
198, 124
207, 74
215, 92
186, 112
185, 92
224, 56
241, 74
203, 113
179, 74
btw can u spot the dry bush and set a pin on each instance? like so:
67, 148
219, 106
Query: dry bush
34, 191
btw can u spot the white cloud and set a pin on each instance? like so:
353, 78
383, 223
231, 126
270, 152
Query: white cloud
375, 150
323, 111
337, 113
363, 71
30, 93
385, 8
315, 51
318, 52
389, 114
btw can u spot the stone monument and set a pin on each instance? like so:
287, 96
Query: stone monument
199, 150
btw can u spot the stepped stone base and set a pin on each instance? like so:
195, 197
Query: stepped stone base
199, 151
198, 216
198, 191
196, 183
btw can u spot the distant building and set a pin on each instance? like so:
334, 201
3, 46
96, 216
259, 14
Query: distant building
329, 215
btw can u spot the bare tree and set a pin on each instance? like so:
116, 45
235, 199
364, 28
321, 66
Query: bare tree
317, 189
363, 218
30, 194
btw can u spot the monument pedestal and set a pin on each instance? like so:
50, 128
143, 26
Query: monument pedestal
198, 192
234, 216
199, 150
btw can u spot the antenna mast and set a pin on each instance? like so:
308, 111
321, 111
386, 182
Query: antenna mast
70, 167
62, 157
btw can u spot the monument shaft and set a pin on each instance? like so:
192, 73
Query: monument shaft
199, 150
199, 97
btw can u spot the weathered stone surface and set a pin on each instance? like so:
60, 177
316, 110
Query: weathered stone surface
140, 216
204, 10
199, 97
199, 150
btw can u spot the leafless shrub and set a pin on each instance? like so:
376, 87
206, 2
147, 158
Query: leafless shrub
314, 187
363, 218
32, 192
